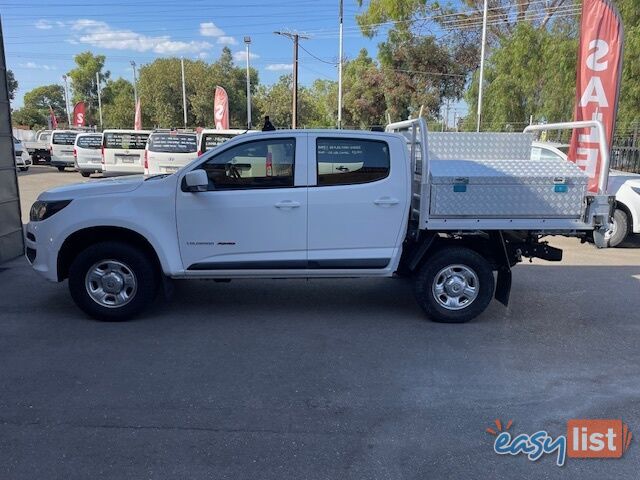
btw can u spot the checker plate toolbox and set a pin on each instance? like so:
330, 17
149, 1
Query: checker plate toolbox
487, 181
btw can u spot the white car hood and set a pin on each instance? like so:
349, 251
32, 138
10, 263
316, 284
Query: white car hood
93, 187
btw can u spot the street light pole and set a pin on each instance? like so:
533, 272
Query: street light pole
184, 93
481, 80
340, 54
295, 37
135, 83
66, 99
247, 42
99, 97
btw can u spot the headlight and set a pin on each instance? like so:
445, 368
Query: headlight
42, 210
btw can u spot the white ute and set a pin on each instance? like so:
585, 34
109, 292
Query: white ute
321, 204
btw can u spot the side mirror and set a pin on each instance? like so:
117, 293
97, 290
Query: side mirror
196, 181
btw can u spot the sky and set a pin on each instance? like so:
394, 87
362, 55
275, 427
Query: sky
41, 37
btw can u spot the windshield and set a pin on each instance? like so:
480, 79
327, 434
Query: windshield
64, 138
211, 140
92, 141
125, 141
44, 137
172, 143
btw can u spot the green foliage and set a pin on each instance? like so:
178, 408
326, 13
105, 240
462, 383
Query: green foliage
118, 109
530, 73
30, 117
363, 90
83, 82
160, 90
12, 84
629, 102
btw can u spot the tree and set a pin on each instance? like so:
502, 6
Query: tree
118, 104
364, 96
41, 98
629, 103
83, 81
12, 84
275, 101
30, 117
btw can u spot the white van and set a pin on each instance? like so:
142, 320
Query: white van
210, 138
123, 151
168, 150
87, 154
61, 148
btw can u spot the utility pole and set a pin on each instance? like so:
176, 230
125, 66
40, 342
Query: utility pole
99, 97
296, 38
135, 84
247, 42
484, 41
340, 54
184, 93
66, 99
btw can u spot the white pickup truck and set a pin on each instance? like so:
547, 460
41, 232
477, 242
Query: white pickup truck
39, 147
448, 210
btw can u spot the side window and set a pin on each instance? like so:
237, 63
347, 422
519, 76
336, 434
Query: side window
347, 161
259, 164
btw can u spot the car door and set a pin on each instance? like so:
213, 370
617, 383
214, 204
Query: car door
254, 214
358, 201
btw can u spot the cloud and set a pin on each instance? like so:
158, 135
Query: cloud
209, 29
241, 56
279, 67
33, 65
226, 40
43, 24
100, 34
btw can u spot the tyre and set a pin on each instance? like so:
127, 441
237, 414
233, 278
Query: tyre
454, 285
112, 281
620, 228
24, 169
61, 169
85, 174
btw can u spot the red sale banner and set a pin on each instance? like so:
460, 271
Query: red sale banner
79, 114
221, 109
597, 83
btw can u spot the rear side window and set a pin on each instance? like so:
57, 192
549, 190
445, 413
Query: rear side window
211, 140
44, 137
64, 138
343, 161
93, 141
125, 141
168, 143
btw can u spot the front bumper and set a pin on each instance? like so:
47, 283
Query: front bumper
40, 250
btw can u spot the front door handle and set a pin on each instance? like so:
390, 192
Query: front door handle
386, 201
287, 204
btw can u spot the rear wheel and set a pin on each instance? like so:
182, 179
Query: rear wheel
61, 169
112, 281
24, 169
85, 174
620, 228
454, 285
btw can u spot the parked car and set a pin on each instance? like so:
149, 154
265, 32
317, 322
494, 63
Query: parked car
625, 187
38, 148
123, 151
119, 240
211, 138
168, 150
23, 162
61, 149
87, 152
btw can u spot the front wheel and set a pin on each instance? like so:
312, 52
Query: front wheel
112, 281
620, 228
454, 285
24, 169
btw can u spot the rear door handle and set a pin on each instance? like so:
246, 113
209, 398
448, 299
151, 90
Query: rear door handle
386, 201
287, 204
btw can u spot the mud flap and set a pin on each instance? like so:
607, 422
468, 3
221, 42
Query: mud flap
503, 286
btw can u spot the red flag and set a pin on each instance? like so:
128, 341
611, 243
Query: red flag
137, 122
52, 117
78, 114
597, 82
221, 109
